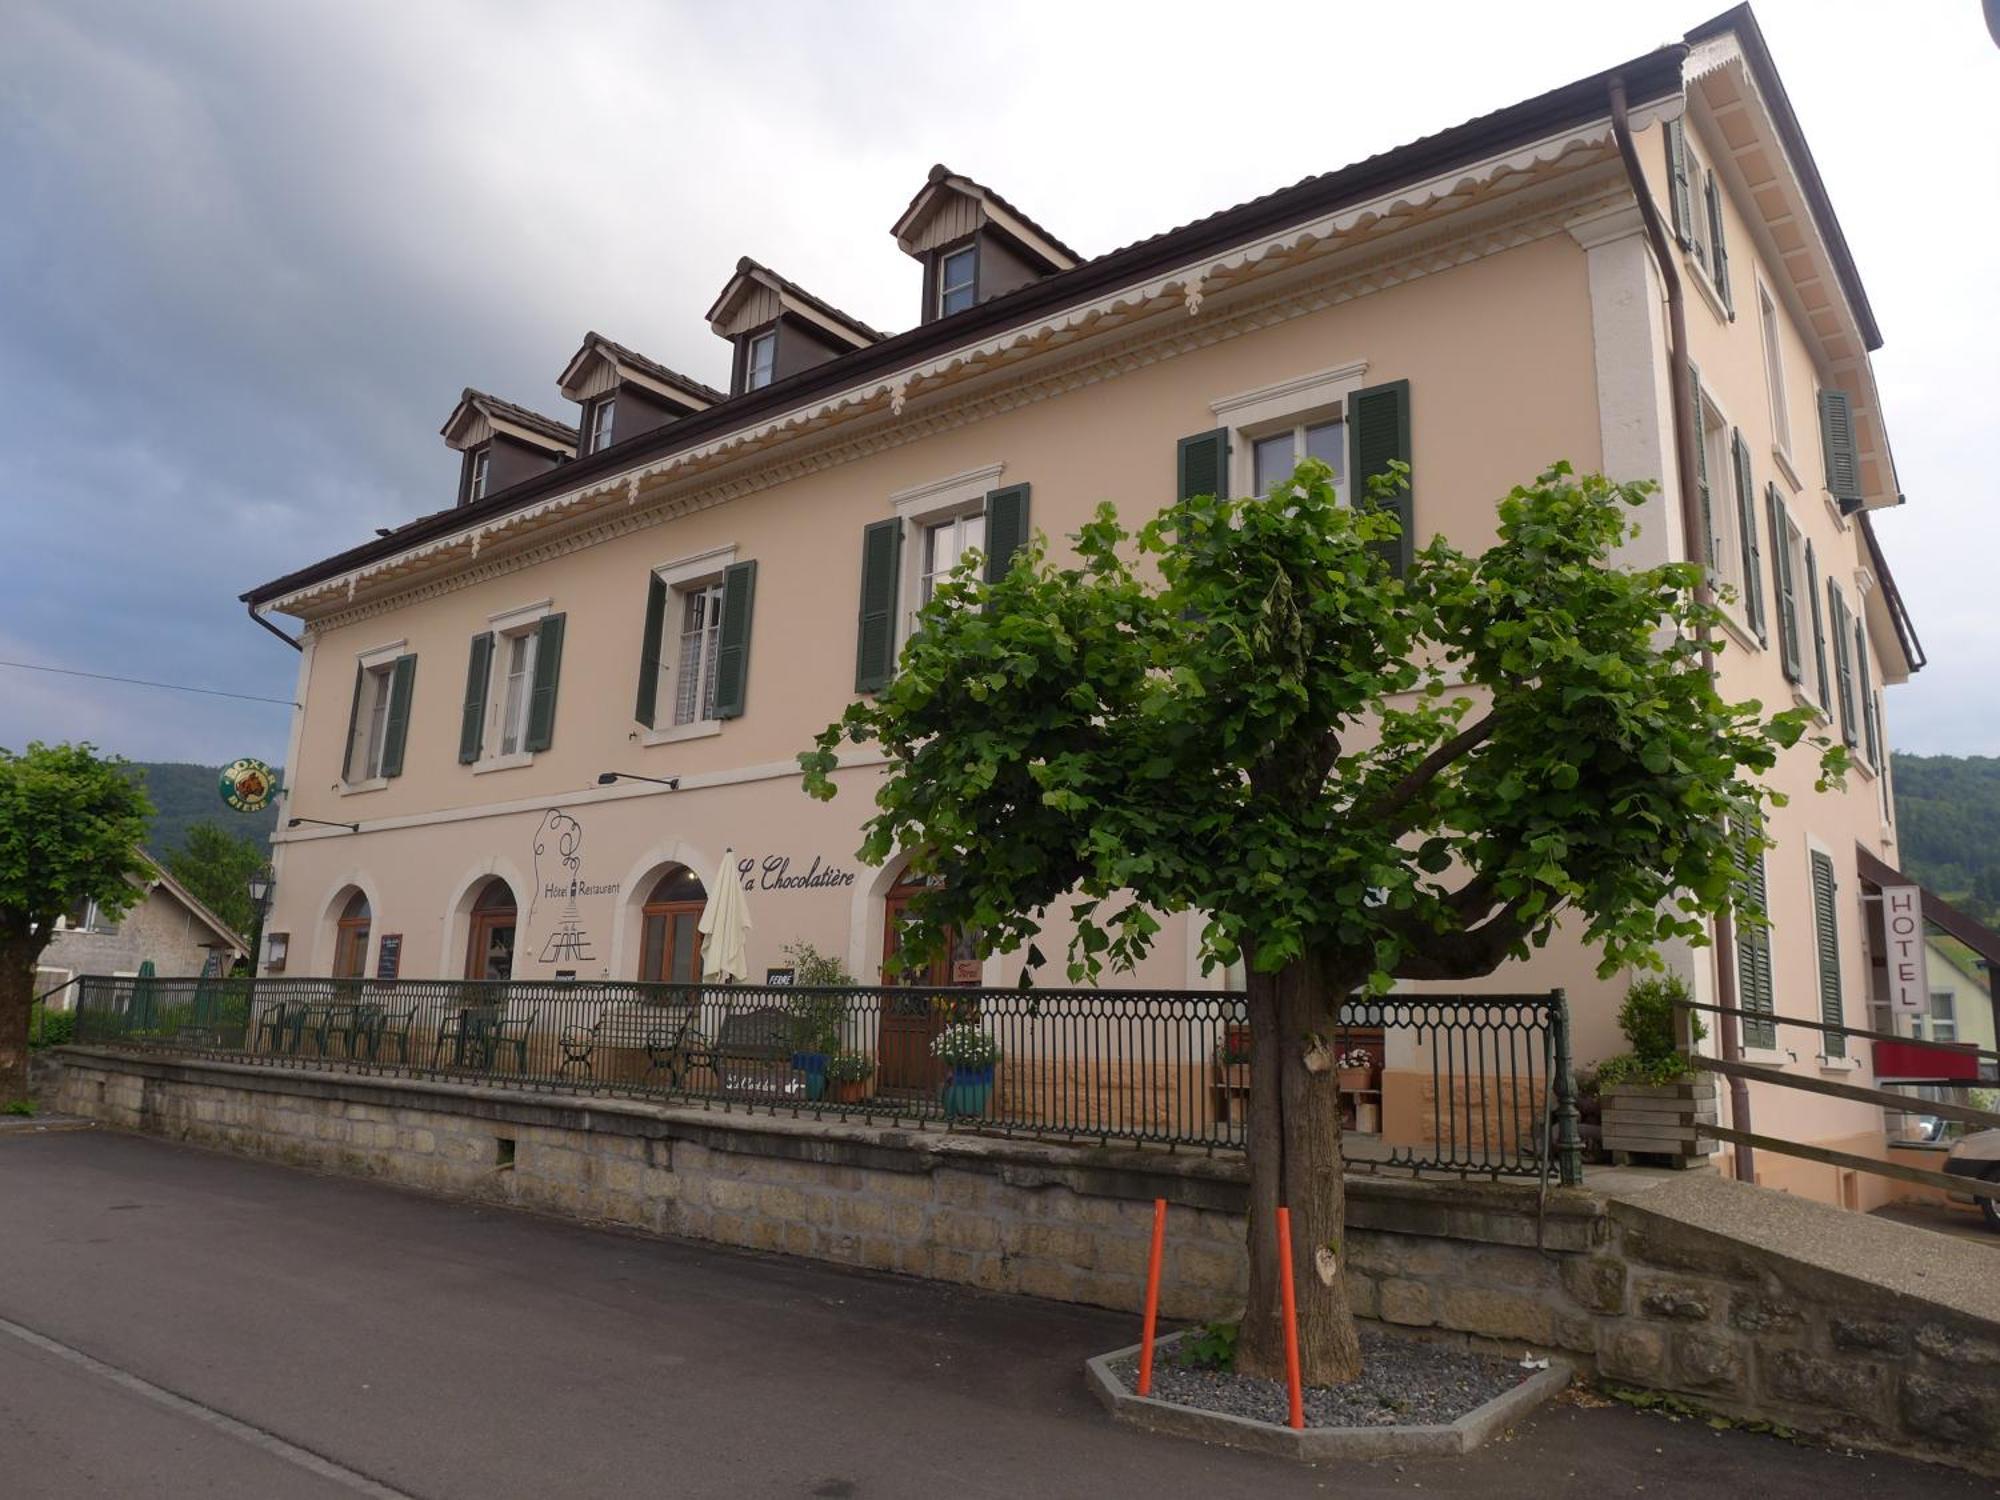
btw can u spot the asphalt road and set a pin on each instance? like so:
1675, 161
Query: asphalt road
174, 1323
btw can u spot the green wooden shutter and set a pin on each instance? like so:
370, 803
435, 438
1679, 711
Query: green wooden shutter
875, 638
1836, 436
1754, 988
472, 718
1202, 465
1719, 255
402, 682
1865, 691
548, 673
1819, 628
1746, 522
1843, 664
1379, 424
1677, 182
1783, 585
1826, 933
353, 723
1006, 529
732, 652
649, 651
1706, 552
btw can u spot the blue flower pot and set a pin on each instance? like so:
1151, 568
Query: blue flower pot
968, 1092
813, 1065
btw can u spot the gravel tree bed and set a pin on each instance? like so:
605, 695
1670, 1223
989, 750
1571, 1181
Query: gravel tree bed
1404, 1382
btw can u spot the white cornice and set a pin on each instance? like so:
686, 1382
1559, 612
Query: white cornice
1285, 396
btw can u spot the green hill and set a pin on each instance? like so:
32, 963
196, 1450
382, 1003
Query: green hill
184, 795
1948, 815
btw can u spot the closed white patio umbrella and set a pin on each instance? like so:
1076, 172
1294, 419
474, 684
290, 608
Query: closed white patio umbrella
725, 926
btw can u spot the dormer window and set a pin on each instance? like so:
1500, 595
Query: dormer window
958, 281
760, 360
602, 413
503, 444
480, 465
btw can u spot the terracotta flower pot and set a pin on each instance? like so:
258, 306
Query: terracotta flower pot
1353, 1079
853, 1092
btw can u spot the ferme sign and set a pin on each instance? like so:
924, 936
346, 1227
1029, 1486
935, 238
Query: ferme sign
1903, 927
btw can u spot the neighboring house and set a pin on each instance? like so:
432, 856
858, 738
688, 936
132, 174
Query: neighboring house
181, 937
686, 584
1961, 996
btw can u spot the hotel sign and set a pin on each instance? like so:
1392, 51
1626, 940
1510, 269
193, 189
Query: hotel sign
1903, 927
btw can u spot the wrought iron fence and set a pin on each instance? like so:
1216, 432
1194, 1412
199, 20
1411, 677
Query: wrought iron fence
1474, 1084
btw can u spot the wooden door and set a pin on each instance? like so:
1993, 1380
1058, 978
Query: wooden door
489, 949
350, 944
913, 1013
670, 933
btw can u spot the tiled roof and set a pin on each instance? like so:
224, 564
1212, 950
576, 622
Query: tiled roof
520, 416
652, 367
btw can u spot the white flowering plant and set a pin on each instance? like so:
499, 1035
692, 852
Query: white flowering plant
1360, 1057
964, 1045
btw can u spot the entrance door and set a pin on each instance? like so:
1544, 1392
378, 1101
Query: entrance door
350, 944
670, 936
489, 951
913, 1012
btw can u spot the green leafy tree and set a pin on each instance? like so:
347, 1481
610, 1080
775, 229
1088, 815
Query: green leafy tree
1350, 777
216, 865
70, 827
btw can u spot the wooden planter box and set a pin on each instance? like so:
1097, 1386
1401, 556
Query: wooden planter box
1658, 1120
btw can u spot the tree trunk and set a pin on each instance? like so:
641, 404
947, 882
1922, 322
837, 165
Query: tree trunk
17, 992
1294, 1152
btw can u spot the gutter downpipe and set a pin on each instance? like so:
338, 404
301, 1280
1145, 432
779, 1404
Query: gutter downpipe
1691, 526
288, 640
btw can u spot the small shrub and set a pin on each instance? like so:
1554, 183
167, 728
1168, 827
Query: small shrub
849, 1067
53, 1028
18, 1107
1647, 1016
1209, 1347
964, 1045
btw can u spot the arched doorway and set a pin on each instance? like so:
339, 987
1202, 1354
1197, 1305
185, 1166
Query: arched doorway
489, 947
912, 1019
350, 940
669, 933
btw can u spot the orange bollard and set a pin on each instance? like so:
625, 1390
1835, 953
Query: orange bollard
1152, 1297
1298, 1418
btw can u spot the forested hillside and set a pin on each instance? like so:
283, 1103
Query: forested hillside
1948, 813
184, 795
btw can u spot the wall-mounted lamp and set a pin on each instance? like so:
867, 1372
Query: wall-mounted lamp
671, 783
322, 823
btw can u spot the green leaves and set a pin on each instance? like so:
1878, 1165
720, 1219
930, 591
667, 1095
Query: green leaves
1411, 777
70, 829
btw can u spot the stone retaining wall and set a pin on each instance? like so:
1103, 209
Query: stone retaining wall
1636, 1296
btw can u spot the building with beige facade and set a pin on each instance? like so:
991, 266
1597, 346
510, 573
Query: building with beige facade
682, 584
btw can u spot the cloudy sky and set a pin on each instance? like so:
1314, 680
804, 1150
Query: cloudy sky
250, 252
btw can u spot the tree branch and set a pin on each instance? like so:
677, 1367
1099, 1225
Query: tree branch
1469, 954
1428, 769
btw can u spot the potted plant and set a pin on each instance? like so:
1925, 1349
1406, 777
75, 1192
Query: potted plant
818, 1009
970, 1054
1651, 1098
1232, 1057
847, 1076
1355, 1070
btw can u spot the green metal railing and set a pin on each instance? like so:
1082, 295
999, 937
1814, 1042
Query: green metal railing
1474, 1084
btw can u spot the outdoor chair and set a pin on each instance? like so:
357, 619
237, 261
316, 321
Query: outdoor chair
282, 1023
513, 1033
385, 1025
675, 1046
579, 1045
468, 1033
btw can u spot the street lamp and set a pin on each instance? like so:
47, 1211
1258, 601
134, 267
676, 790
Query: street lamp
671, 783
322, 823
260, 885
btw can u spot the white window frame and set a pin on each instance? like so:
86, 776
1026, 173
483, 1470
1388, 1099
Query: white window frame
93, 920
970, 285
1772, 332
1732, 559
1298, 403
1932, 1021
682, 576
603, 418
920, 507
377, 667
482, 470
767, 340
507, 627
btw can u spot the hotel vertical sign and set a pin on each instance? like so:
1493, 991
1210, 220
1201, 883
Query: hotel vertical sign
1903, 927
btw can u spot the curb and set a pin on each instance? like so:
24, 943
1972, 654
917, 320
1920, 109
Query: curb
1318, 1444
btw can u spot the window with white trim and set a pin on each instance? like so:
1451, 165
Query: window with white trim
482, 467
603, 414
687, 663
760, 360
1942, 1022
1274, 455
944, 541
512, 689
958, 281
1774, 372
371, 722
86, 916
1718, 473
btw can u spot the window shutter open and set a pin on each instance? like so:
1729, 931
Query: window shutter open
1819, 628
353, 723
875, 636
1843, 664
1836, 435
1746, 521
732, 652
1783, 585
1006, 529
1753, 943
649, 651
1719, 256
396, 729
1706, 552
1379, 419
1677, 182
1826, 933
548, 672
472, 719
1865, 692
1202, 465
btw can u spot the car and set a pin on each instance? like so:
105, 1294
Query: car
1977, 1155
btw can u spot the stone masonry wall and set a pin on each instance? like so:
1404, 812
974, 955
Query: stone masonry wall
1620, 1291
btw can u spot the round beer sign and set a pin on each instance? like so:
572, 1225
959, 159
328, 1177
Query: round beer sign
248, 785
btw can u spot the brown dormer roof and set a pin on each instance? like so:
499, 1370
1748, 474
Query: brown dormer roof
1057, 255
750, 273
530, 426
685, 388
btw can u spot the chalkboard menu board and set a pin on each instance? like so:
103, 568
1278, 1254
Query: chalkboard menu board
779, 977
389, 957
